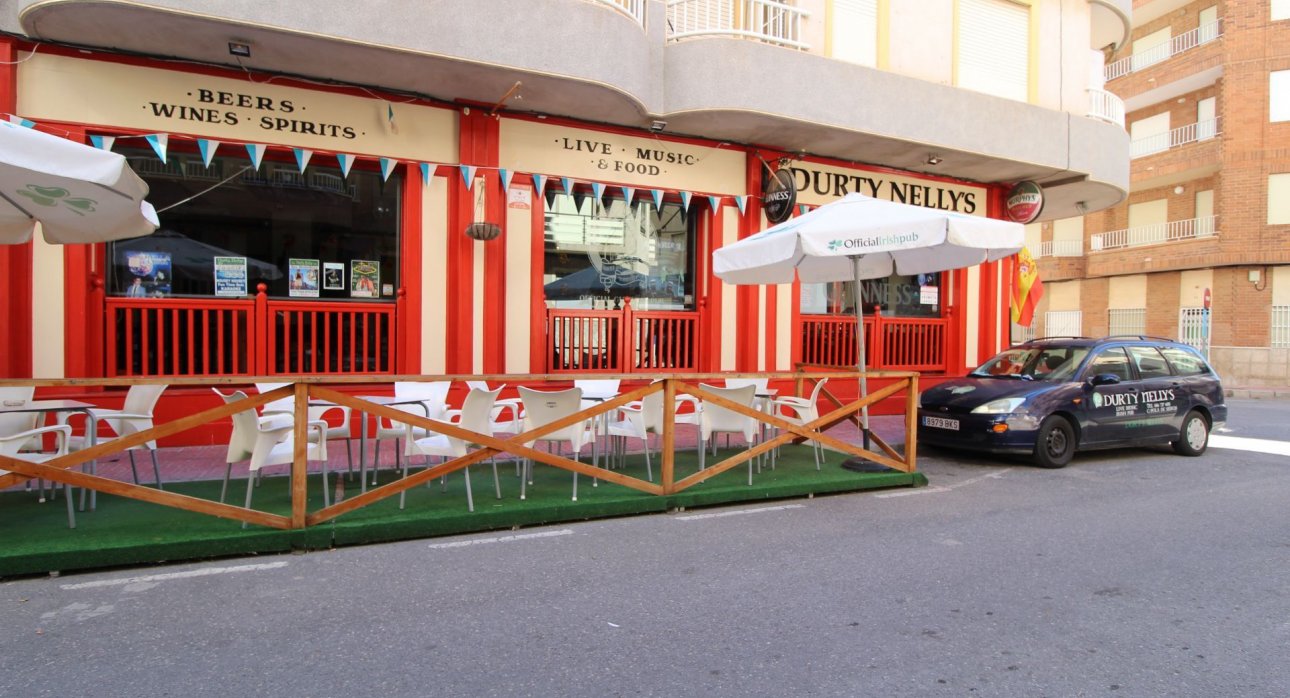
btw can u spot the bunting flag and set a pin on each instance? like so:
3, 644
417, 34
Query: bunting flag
539, 184
387, 166
346, 161
28, 123
389, 118
468, 174
427, 173
302, 157
103, 142
598, 190
802, 208
685, 201
158, 141
742, 203
629, 193
1027, 289
716, 204
207, 148
256, 151
658, 198
505, 176
568, 185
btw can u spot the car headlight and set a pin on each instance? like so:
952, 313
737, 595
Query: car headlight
1000, 406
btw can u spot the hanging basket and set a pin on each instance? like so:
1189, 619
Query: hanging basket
483, 231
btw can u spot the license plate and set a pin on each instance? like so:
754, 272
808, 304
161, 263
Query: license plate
941, 423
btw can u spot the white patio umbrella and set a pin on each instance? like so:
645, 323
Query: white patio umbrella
858, 237
78, 194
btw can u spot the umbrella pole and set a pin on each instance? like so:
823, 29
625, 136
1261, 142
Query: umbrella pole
859, 464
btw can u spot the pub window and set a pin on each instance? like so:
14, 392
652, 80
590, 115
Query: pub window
897, 296
316, 234
994, 48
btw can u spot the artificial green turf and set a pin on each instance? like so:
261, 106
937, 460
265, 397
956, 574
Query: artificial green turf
126, 532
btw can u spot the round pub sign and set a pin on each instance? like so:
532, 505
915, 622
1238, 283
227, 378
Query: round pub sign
779, 196
1025, 202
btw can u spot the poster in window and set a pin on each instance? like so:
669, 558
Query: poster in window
364, 278
149, 274
333, 276
303, 277
230, 276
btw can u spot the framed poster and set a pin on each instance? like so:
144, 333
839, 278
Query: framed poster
333, 276
149, 274
364, 278
303, 277
230, 276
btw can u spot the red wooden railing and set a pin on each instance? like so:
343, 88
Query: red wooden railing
891, 343
621, 341
329, 338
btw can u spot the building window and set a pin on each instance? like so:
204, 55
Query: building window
1151, 49
229, 228
598, 253
1279, 199
854, 35
1280, 9
895, 296
993, 48
1280, 326
1279, 95
1062, 323
1131, 321
1149, 135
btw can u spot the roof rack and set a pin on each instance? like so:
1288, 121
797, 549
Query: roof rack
1044, 339
1143, 337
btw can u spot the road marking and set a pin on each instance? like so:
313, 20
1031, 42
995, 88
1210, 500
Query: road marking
1240, 443
738, 512
944, 488
502, 539
173, 575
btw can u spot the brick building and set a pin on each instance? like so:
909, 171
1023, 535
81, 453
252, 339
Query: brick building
1200, 249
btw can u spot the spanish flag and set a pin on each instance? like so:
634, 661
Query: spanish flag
1027, 289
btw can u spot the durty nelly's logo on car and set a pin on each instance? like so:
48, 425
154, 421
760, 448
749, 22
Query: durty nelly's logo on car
52, 196
1146, 397
880, 241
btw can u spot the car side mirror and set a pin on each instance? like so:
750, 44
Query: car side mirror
1104, 379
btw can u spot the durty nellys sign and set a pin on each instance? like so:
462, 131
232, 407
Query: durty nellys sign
168, 101
819, 184
598, 156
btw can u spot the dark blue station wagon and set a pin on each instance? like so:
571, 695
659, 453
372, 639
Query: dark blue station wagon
1050, 397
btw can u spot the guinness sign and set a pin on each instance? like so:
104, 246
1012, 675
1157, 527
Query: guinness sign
779, 196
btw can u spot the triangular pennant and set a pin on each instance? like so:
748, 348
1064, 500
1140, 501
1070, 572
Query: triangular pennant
629, 193
427, 171
389, 118
468, 174
716, 203
539, 184
103, 142
28, 123
685, 200
802, 208
506, 176
302, 158
598, 190
346, 161
658, 198
158, 141
256, 152
742, 203
387, 166
207, 148
568, 184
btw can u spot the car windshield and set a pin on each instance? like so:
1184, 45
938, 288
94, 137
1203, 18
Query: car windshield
1049, 363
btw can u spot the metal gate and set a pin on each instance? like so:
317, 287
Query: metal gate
1194, 328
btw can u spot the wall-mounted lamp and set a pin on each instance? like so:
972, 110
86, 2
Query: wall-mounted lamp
1178, 189
1081, 207
239, 49
657, 125
934, 159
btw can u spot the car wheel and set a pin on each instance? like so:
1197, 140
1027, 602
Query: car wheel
1056, 443
1193, 438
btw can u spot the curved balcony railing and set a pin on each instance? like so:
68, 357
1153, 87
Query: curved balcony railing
1204, 226
770, 21
632, 8
1191, 133
1106, 106
1163, 51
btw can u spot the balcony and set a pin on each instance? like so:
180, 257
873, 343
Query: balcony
1061, 248
1191, 228
632, 8
1160, 142
1105, 106
1161, 52
768, 21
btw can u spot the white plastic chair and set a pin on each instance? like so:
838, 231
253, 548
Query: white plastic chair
16, 446
268, 441
543, 407
12, 423
316, 413
475, 415
433, 404
799, 411
715, 419
133, 417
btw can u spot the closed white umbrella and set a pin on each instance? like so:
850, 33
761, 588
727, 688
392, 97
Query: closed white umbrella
859, 237
78, 194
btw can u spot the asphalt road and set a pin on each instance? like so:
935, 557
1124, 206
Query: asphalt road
1128, 573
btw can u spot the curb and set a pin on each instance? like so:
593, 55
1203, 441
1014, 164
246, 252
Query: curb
1259, 393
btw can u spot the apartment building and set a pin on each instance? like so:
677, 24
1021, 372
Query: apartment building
1200, 249
488, 186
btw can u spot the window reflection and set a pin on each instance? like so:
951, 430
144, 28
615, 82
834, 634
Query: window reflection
898, 296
